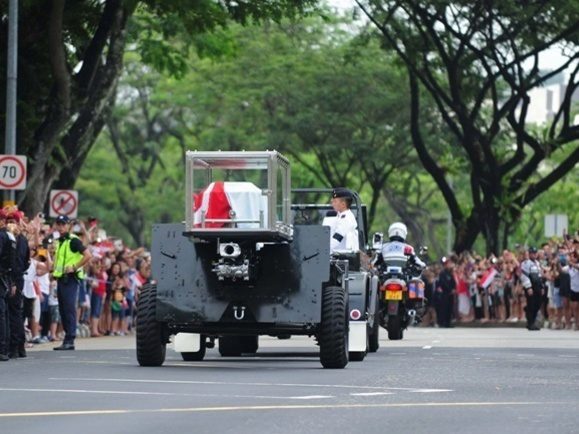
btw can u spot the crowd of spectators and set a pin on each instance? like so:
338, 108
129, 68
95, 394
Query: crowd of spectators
490, 289
108, 293
484, 288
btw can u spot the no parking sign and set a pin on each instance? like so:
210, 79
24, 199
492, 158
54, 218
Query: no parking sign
63, 202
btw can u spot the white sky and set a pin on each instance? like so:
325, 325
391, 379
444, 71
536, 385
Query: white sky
549, 59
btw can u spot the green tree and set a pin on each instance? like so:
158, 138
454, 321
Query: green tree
478, 61
71, 58
320, 92
317, 90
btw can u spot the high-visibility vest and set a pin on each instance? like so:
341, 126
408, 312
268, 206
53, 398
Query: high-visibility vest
65, 257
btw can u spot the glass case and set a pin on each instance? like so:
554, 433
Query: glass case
233, 194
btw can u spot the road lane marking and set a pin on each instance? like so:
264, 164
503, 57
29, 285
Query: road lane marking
106, 392
427, 347
430, 390
277, 407
372, 393
311, 397
197, 395
223, 383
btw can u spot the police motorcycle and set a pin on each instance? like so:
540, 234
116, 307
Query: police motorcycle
401, 294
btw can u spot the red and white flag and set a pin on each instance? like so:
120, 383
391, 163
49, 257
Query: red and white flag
488, 277
213, 201
220, 198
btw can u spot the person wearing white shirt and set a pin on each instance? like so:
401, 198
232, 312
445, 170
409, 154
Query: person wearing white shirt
531, 278
343, 228
574, 293
30, 293
43, 279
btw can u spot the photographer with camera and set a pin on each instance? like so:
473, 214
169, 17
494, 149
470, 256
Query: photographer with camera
71, 255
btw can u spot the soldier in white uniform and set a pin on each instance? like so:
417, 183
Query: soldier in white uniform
343, 228
531, 278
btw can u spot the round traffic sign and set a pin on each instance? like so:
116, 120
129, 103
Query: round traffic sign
12, 172
64, 203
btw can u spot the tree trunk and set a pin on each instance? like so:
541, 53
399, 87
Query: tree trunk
134, 222
373, 205
64, 138
506, 234
67, 178
466, 234
407, 215
490, 225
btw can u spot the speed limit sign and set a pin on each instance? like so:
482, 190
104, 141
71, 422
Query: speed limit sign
12, 172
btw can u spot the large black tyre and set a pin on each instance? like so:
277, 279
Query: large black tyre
151, 347
357, 356
234, 346
395, 332
196, 356
374, 334
249, 344
333, 334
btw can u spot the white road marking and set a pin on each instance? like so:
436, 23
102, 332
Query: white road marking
109, 392
372, 393
202, 395
224, 383
430, 390
427, 347
311, 397
310, 407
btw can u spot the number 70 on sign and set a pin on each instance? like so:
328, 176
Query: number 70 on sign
12, 172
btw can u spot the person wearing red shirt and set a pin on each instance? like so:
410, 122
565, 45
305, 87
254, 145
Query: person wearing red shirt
98, 282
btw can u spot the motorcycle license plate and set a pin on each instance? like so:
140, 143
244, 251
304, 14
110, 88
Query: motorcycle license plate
393, 295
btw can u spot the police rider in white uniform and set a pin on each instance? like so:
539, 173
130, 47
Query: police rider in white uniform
397, 247
343, 228
531, 278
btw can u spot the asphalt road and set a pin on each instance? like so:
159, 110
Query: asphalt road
434, 381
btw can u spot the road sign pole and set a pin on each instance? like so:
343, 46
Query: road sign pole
11, 82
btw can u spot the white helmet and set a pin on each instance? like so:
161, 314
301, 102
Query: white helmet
397, 230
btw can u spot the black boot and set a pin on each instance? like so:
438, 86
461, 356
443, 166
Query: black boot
4, 358
65, 346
